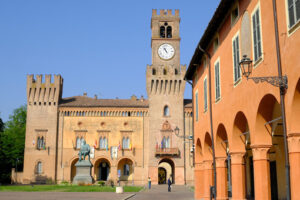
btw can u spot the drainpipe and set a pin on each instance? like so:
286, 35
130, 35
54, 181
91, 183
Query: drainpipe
211, 124
282, 105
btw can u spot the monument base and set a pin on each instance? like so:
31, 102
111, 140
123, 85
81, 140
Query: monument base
83, 172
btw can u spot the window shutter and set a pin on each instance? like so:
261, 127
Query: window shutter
258, 34
234, 61
197, 106
205, 94
254, 37
291, 12
297, 5
237, 58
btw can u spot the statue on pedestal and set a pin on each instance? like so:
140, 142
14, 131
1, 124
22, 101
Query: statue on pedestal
84, 151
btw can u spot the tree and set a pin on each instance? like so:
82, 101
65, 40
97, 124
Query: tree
12, 142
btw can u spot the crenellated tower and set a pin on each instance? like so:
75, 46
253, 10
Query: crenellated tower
41, 127
165, 88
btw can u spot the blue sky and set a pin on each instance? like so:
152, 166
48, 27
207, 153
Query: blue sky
99, 47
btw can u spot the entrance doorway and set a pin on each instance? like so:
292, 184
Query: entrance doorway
162, 175
166, 170
103, 170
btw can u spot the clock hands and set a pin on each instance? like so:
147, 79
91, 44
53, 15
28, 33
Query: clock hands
165, 50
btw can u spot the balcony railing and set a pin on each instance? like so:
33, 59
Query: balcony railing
167, 151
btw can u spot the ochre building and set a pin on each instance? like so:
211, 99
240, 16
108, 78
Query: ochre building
131, 139
247, 127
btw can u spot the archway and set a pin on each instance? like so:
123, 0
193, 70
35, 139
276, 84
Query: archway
102, 169
241, 142
73, 169
223, 163
166, 170
269, 132
125, 165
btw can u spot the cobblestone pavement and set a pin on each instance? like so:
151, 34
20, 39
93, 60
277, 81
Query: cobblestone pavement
160, 192
157, 192
63, 196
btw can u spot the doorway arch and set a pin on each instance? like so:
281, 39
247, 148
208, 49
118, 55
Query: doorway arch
102, 169
166, 170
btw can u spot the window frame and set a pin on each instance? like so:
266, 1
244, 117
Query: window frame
236, 6
259, 59
239, 79
296, 25
205, 102
217, 62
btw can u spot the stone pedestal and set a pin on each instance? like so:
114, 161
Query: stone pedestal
83, 172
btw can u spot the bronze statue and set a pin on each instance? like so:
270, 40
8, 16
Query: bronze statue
84, 151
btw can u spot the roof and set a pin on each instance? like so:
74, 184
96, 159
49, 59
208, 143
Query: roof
215, 22
84, 101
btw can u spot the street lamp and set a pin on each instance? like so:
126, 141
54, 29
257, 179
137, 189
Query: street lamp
278, 81
281, 82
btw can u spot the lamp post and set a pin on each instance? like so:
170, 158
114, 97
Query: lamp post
281, 82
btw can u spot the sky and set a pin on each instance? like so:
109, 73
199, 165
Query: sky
98, 46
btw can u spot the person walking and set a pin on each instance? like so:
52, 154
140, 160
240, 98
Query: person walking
169, 185
149, 182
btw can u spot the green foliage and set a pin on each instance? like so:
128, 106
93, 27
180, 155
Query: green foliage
101, 183
12, 142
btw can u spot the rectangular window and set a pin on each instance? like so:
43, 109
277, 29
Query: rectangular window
294, 12
256, 36
205, 94
217, 81
196, 101
236, 59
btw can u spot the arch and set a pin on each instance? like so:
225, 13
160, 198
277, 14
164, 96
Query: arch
221, 141
102, 168
268, 109
166, 111
169, 32
241, 134
169, 167
73, 168
126, 167
198, 152
162, 32
207, 150
295, 110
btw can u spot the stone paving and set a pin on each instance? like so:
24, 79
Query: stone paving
155, 193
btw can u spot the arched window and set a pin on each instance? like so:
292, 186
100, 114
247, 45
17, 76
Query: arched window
168, 142
78, 143
38, 143
128, 142
126, 170
166, 111
176, 71
124, 143
162, 32
100, 143
169, 32
39, 168
165, 72
153, 71
163, 143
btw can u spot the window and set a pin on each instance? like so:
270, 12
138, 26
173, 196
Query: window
165, 72
162, 32
78, 143
217, 81
256, 36
166, 111
235, 13
196, 99
126, 170
236, 58
176, 71
126, 143
294, 12
168, 142
153, 71
205, 94
165, 31
40, 143
39, 168
169, 32
102, 143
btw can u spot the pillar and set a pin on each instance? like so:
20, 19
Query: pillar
261, 167
294, 158
238, 175
207, 178
199, 184
221, 178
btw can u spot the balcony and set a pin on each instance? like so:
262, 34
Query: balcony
167, 151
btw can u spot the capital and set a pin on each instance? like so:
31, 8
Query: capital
221, 162
260, 152
237, 158
294, 142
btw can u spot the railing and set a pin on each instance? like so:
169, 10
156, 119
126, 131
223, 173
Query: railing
167, 151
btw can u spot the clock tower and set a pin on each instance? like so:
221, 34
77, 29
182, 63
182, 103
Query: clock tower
165, 89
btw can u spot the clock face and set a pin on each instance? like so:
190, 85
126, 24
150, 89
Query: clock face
166, 51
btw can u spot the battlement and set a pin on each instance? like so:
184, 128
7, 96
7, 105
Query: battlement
41, 92
163, 12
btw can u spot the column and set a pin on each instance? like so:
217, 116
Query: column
261, 167
199, 178
221, 178
207, 178
238, 175
294, 158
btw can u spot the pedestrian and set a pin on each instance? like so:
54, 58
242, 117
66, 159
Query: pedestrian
149, 182
169, 185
